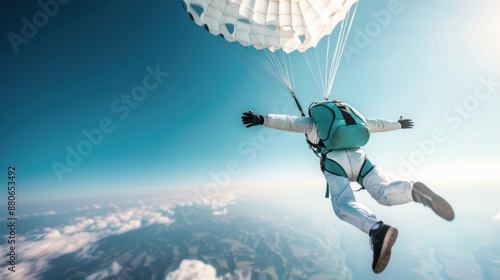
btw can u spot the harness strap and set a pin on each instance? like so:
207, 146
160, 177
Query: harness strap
315, 148
349, 120
365, 169
297, 103
331, 167
334, 168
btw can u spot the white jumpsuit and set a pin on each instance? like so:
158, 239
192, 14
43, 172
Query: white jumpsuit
342, 196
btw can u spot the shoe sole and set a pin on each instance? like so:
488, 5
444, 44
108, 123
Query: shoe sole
438, 204
385, 253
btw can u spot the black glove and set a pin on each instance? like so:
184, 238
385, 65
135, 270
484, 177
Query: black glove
405, 123
250, 119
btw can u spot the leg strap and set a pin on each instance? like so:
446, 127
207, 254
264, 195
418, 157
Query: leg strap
365, 169
335, 168
331, 167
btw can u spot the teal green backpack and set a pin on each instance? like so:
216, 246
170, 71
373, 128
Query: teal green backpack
339, 126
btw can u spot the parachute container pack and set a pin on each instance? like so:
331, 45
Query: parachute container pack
339, 125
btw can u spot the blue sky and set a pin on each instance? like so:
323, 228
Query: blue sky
426, 63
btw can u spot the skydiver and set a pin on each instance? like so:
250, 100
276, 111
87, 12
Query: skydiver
352, 161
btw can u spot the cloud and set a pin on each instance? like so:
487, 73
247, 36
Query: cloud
112, 270
220, 212
217, 203
134, 224
496, 216
193, 270
157, 218
80, 236
198, 270
47, 213
55, 244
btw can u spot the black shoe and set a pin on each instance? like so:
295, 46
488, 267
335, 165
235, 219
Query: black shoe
421, 193
382, 239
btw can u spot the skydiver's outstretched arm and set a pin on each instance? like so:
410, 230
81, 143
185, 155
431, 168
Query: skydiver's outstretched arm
281, 122
381, 125
290, 123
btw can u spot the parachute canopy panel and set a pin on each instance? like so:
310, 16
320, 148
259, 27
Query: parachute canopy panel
270, 24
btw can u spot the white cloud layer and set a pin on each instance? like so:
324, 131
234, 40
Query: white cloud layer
81, 234
198, 270
193, 270
112, 270
220, 212
217, 203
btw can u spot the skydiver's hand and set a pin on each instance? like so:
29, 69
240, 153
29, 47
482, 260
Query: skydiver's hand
405, 123
250, 119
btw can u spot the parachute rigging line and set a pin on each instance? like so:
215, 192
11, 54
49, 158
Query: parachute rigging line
278, 68
280, 65
280, 29
325, 76
341, 45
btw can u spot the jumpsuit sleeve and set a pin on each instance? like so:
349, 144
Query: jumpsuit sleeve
381, 125
291, 123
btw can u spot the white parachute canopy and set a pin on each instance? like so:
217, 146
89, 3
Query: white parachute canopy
282, 27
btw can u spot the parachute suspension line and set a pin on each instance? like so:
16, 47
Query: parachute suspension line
344, 33
291, 71
327, 61
331, 72
318, 82
324, 76
276, 69
280, 67
275, 65
244, 56
273, 69
286, 69
319, 68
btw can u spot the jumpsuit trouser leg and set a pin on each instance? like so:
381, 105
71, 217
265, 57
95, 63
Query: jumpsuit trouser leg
342, 196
